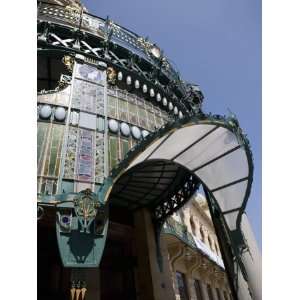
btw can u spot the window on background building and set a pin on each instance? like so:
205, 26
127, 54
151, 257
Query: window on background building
209, 292
182, 287
198, 289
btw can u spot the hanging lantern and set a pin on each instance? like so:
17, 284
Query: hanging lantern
152, 94
165, 101
128, 80
145, 88
137, 84
158, 97
120, 76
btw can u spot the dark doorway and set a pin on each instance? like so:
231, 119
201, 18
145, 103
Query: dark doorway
52, 278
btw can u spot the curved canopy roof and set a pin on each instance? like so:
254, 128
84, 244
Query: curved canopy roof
212, 149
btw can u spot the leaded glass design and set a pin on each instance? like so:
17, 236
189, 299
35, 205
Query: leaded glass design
123, 110
99, 169
85, 156
125, 146
47, 186
151, 121
112, 106
53, 146
143, 117
84, 96
100, 100
113, 151
182, 288
100, 124
133, 114
60, 98
69, 168
42, 130
89, 73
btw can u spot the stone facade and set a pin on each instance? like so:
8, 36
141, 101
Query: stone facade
200, 273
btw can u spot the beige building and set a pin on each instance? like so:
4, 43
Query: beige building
194, 254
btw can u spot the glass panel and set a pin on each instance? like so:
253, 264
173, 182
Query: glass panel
84, 96
100, 124
215, 144
112, 107
229, 168
133, 113
100, 100
69, 169
42, 130
143, 118
182, 288
123, 110
124, 147
85, 159
231, 197
151, 121
53, 155
113, 151
99, 171
90, 73
186, 136
231, 219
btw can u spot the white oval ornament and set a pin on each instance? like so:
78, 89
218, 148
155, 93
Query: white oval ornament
136, 132
60, 114
45, 112
180, 115
125, 129
175, 110
113, 125
170, 106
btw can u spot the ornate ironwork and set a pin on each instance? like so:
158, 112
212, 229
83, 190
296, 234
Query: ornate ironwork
86, 206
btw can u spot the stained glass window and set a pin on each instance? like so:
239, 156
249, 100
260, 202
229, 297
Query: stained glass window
53, 152
69, 169
151, 121
133, 115
123, 110
89, 73
143, 117
125, 146
112, 106
113, 151
99, 169
84, 96
85, 156
42, 130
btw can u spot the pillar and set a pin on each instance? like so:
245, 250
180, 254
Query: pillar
204, 292
152, 284
214, 293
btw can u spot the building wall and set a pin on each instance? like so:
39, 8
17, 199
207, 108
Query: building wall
189, 261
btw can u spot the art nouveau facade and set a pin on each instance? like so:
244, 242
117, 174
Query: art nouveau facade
122, 145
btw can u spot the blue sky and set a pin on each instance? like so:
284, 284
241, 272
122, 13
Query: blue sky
214, 43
